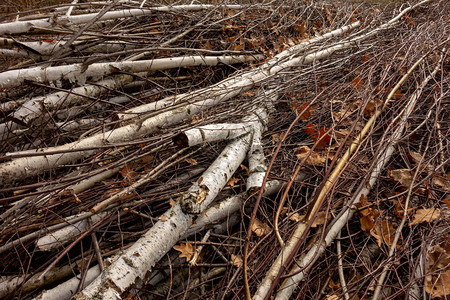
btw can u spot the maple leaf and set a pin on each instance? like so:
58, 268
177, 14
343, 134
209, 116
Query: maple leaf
298, 109
310, 129
322, 138
186, 249
425, 215
259, 228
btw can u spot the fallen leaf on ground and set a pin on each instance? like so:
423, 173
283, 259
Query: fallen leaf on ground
314, 158
368, 216
441, 181
425, 215
236, 260
402, 176
186, 249
191, 161
320, 219
233, 181
296, 217
259, 228
383, 232
437, 268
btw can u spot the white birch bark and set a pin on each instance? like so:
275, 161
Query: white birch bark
212, 133
148, 250
243, 82
33, 109
57, 239
201, 100
75, 73
25, 26
67, 289
9, 283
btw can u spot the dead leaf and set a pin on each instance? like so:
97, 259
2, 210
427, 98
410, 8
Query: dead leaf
259, 228
313, 159
233, 181
172, 202
383, 232
277, 137
236, 260
425, 215
297, 217
191, 161
245, 169
402, 176
163, 218
186, 249
443, 182
368, 215
320, 219
128, 175
437, 268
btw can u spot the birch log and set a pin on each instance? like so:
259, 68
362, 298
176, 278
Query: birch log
78, 73
200, 100
33, 109
172, 226
26, 26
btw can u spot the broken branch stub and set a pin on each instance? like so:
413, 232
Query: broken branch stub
202, 192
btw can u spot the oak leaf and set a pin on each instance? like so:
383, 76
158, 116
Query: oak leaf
383, 232
437, 268
425, 215
186, 249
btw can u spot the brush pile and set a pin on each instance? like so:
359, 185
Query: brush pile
282, 149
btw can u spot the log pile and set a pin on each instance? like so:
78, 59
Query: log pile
285, 149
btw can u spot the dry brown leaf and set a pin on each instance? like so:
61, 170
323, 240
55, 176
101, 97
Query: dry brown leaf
128, 175
191, 161
259, 228
172, 202
236, 260
383, 232
233, 181
314, 158
245, 169
437, 280
186, 249
320, 219
163, 218
297, 217
402, 176
277, 137
443, 182
425, 215
368, 215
